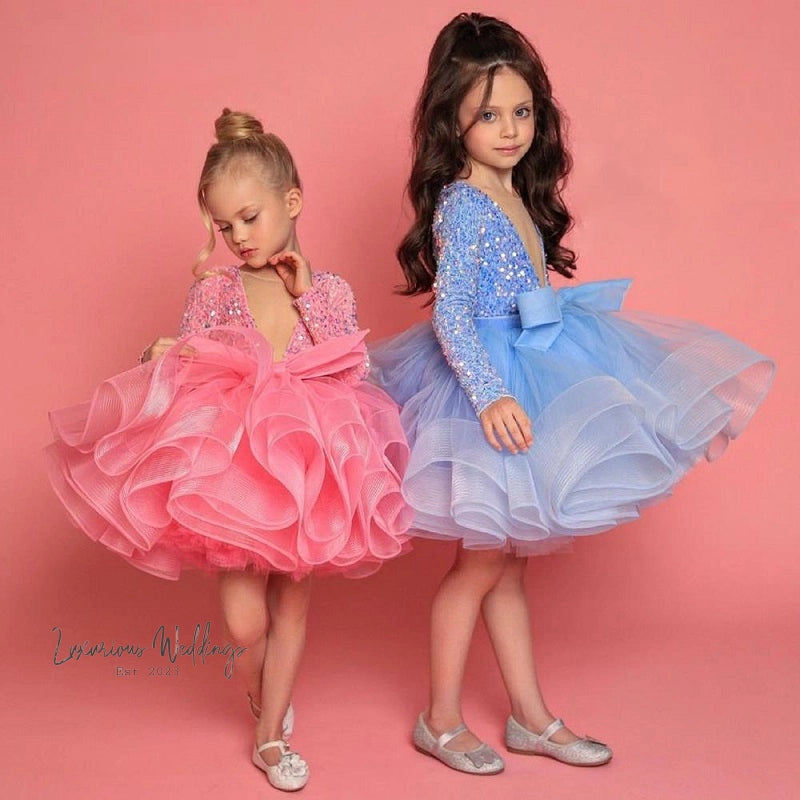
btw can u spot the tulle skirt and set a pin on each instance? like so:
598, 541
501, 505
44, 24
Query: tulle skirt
227, 460
622, 405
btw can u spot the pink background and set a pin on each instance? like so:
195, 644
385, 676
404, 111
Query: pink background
675, 638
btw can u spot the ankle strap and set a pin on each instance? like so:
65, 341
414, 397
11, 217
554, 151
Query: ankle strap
555, 725
279, 743
448, 736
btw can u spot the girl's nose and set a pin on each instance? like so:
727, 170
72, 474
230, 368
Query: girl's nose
509, 129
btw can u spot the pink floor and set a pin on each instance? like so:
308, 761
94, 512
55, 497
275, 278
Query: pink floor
693, 710
675, 639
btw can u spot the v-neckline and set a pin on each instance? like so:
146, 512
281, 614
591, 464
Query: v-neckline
510, 224
251, 318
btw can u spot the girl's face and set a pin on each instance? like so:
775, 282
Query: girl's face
499, 133
255, 220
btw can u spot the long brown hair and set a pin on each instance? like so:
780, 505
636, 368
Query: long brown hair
471, 47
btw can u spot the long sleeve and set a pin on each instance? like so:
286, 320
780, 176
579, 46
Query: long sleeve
328, 309
213, 300
195, 313
457, 228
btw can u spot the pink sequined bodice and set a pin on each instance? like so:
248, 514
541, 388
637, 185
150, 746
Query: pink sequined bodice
326, 310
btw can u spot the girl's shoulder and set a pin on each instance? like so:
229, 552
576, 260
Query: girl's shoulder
460, 202
218, 275
462, 191
328, 280
210, 293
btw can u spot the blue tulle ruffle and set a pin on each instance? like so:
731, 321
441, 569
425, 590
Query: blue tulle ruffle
622, 405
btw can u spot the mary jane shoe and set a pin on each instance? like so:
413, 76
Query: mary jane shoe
480, 761
584, 752
290, 773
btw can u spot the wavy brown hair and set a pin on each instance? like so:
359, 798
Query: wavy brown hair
472, 47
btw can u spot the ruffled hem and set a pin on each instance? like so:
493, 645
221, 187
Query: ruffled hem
227, 460
622, 405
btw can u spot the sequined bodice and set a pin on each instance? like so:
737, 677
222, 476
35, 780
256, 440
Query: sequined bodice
326, 310
482, 266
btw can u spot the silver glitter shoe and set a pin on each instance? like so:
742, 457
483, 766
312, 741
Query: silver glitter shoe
584, 752
480, 761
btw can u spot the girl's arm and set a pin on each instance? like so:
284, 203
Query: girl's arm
328, 309
457, 251
201, 300
203, 303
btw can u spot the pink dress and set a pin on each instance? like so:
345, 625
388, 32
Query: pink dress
229, 459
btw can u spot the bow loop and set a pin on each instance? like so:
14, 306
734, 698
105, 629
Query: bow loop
540, 310
328, 357
597, 295
540, 316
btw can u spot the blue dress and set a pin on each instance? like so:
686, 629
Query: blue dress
622, 404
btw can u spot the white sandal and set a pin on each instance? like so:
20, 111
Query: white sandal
289, 774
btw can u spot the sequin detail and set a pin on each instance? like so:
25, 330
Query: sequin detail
482, 266
326, 310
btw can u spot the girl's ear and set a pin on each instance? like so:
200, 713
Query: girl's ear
294, 202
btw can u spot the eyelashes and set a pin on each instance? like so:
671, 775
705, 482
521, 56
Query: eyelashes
520, 113
247, 221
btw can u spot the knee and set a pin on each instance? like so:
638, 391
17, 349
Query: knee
246, 626
485, 567
244, 608
513, 574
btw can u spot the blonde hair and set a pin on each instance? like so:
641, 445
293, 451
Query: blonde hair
243, 146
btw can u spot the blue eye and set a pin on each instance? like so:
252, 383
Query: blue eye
522, 113
488, 116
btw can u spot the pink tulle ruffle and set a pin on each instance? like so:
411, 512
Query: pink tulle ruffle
227, 459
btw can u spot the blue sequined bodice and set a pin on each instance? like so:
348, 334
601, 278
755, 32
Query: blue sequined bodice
482, 266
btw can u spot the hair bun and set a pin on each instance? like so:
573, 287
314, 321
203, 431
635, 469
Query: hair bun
233, 125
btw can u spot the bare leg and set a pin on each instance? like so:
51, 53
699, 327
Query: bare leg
288, 609
454, 613
505, 612
244, 609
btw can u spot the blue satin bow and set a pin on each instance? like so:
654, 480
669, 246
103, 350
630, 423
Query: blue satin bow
540, 310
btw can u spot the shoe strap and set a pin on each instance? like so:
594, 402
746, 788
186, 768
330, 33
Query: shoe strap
448, 736
555, 725
279, 743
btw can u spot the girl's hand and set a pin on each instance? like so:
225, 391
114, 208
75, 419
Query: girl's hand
293, 270
160, 346
506, 419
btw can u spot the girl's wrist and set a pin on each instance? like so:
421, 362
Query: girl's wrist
302, 291
304, 300
304, 288
307, 284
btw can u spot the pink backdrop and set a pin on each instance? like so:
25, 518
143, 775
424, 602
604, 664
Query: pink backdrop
684, 128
